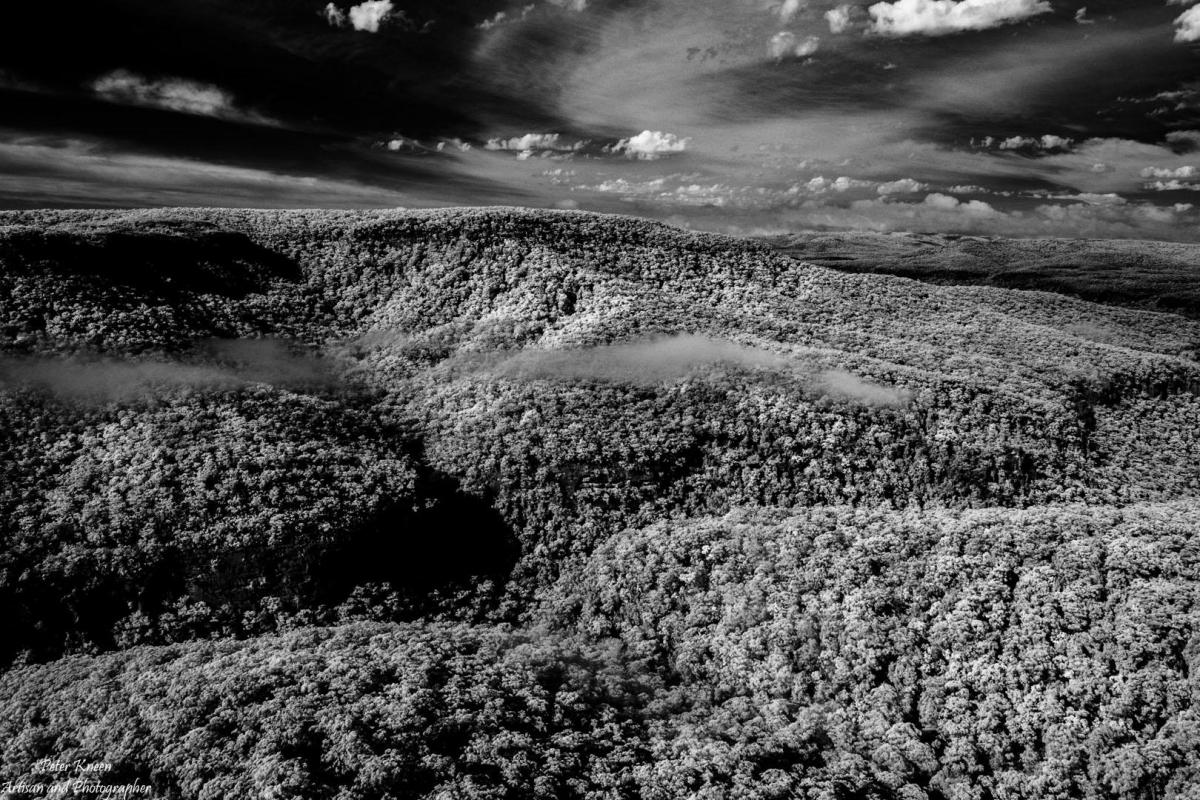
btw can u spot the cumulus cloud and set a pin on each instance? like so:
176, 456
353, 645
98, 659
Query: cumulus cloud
373, 15
1187, 25
807, 46
532, 141
1187, 171
335, 16
571, 5
1017, 142
370, 15
1052, 142
456, 143
1047, 142
821, 184
1169, 186
650, 145
1171, 179
791, 8
785, 45
901, 186
1098, 198
172, 94
938, 17
838, 18
781, 44
974, 208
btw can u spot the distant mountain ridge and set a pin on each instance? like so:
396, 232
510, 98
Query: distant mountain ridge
1158, 276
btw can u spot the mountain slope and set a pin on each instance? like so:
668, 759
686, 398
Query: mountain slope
574, 459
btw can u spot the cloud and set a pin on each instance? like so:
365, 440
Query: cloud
370, 15
785, 44
1187, 25
901, 186
571, 5
791, 8
649, 145
532, 141
1051, 142
335, 16
1047, 142
939, 17
504, 18
821, 184
1097, 199
1169, 186
1111, 165
171, 94
973, 208
1017, 142
838, 18
807, 46
945, 214
1179, 179
83, 173
1187, 171
1184, 140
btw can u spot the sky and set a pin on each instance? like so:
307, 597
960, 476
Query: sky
992, 117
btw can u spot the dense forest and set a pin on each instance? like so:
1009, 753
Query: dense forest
520, 504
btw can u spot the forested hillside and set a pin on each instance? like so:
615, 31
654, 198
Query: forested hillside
511, 504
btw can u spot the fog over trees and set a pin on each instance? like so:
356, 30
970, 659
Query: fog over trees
524, 504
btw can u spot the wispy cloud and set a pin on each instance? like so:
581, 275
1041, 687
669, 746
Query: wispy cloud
78, 172
172, 94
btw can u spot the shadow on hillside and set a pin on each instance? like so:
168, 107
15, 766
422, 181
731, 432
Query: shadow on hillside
166, 257
453, 541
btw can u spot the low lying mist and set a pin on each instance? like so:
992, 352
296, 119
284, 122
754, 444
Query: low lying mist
213, 364
676, 357
847, 385
652, 361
